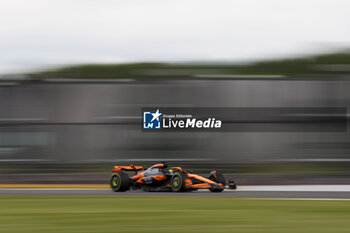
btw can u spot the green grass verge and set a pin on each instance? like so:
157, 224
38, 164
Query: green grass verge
170, 214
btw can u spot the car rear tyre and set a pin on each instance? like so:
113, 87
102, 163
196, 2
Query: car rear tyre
219, 178
178, 182
120, 182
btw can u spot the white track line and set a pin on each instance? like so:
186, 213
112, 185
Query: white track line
49, 189
295, 188
301, 199
251, 188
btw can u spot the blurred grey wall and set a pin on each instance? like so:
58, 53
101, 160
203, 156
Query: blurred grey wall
63, 121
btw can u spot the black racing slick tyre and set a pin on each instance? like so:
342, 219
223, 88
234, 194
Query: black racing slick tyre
120, 182
178, 182
218, 177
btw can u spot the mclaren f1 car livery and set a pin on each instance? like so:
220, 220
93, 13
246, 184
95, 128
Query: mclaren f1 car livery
160, 177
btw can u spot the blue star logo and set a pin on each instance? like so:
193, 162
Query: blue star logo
151, 120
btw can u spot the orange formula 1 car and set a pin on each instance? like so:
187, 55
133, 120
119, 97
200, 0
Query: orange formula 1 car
160, 177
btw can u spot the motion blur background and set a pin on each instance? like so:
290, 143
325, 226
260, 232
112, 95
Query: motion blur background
74, 76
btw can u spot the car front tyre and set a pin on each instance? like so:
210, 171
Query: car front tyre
178, 182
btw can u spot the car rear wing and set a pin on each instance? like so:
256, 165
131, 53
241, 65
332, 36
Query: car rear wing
127, 168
